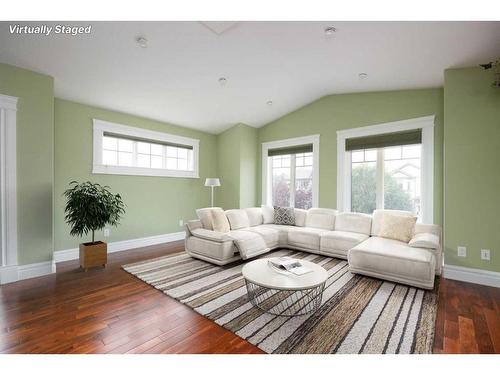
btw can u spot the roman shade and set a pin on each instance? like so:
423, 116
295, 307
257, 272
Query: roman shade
138, 139
300, 149
410, 137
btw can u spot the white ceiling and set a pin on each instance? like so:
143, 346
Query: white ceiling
175, 79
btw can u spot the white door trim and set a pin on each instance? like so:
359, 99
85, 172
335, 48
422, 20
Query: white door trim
425, 123
266, 146
8, 192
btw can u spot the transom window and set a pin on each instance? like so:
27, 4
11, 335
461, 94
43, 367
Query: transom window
290, 172
121, 149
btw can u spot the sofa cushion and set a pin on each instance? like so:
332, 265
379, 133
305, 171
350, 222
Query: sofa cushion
425, 240
254, 216
237, 219
271, 236
378, 216
284, 216
306, 238
219, 221
394, 259
300, 217
321, 218
353, 222
340, 240
267, 214
397, 227
205, 216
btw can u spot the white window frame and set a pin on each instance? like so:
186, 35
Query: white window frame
100, 127
8, 188
426, 124
267, 168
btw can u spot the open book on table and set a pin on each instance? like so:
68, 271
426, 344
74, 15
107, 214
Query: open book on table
289, 264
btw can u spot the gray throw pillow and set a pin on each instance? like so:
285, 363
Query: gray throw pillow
284, 216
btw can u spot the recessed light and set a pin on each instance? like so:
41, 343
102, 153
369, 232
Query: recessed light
142, 42
363, 76
269, 103
330, 30
222, 81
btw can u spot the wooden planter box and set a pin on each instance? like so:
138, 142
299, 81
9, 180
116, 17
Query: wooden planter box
93, 254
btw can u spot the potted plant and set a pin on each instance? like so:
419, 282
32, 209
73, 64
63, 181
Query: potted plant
91, 207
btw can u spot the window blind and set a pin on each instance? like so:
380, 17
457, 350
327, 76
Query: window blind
138, 139
290, 150
410, 137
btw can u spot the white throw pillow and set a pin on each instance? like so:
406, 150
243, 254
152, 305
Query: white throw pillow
219, 221
205, 216
254, 216
425, 240
300, 217
237, 219
397, 227
268, 214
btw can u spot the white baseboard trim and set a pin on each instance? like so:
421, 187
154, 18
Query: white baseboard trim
113, 247
10, 274
472, 275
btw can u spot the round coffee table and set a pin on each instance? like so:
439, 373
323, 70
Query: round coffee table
284, 293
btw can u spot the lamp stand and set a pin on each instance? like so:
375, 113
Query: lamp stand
212, 196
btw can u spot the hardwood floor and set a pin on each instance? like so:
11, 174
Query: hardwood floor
110, 311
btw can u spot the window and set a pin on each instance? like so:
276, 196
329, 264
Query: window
387, 166
386, 177
290, 175
122, 149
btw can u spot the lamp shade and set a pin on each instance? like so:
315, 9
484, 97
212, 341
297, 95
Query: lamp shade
212, 182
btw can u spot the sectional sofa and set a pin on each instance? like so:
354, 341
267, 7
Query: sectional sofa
352, 236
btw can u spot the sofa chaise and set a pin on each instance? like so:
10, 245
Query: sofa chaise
359, 238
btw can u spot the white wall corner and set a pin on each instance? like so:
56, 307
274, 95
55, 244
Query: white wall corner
472, 275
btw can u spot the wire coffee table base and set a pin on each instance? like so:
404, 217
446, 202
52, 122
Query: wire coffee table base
285, 302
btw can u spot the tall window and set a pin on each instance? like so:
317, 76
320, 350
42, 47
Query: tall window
120, 149
292, 180
388, 177
387, 166
290, 172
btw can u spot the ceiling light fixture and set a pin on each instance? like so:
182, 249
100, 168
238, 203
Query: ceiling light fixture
330, 30
363, 76
269, 103
142, 42
222, 81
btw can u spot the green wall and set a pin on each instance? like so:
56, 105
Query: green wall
472, 172
237, 167
335, 112
35, 159
228, 169
154, 205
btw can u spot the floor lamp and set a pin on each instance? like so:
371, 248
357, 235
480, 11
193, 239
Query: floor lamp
212, 182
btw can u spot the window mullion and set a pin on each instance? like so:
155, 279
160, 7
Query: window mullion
292, 180
380, 179
134, 153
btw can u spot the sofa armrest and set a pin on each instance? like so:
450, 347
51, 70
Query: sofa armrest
426, 241
211, 235
192, 225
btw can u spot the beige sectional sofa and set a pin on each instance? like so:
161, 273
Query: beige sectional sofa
352, 236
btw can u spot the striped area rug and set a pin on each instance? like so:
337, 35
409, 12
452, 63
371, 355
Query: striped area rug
358, 314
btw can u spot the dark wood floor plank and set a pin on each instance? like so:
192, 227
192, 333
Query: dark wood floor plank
110, 311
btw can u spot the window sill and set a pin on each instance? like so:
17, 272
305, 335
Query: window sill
136, 171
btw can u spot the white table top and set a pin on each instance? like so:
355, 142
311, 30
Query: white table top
261, 273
